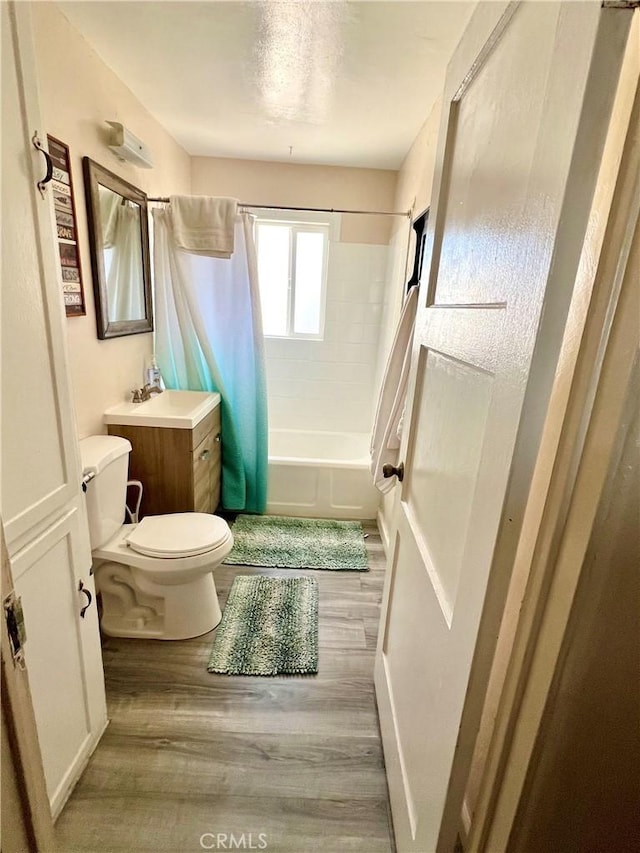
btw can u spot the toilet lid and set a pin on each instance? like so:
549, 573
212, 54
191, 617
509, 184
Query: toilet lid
181, 534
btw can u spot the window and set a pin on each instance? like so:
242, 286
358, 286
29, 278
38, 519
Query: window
292, 273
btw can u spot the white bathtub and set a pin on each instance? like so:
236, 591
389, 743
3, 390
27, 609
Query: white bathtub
320, 475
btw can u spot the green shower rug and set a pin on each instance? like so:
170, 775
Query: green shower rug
269, 627
298, 543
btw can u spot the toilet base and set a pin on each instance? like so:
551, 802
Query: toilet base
134, 606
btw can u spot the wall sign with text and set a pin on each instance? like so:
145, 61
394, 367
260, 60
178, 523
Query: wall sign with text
65, 211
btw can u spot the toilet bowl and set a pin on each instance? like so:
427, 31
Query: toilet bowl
155, 577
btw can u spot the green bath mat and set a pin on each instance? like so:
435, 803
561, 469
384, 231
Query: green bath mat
269, 627
298, 543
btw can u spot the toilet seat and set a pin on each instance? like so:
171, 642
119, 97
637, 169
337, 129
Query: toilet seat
180, 534
165, 570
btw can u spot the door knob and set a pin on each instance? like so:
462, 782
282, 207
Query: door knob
393, 471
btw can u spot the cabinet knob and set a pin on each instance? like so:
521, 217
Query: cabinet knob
205, 454
218, 438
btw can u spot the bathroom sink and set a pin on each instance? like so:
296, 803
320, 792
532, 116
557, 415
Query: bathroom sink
171, 409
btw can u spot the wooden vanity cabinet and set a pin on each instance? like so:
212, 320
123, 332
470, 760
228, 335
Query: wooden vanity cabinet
180, 469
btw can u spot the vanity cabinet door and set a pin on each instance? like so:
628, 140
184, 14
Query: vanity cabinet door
207, 466
203, 499
216, 469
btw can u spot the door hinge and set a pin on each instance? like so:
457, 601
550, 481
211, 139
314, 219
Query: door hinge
14, 620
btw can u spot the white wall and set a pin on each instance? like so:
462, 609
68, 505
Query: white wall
329, 384
413, 191
78, 93
299, 185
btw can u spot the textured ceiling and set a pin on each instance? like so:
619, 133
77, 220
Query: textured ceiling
342, 83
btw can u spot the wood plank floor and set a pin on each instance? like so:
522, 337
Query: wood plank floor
188, 752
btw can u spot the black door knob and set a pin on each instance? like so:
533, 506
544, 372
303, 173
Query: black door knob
393, 471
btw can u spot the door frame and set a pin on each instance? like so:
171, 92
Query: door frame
581, 429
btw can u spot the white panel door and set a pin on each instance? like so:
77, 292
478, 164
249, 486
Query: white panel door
39, 465
41, 501
526, 100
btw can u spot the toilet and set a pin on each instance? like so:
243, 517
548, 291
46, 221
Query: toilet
155, 577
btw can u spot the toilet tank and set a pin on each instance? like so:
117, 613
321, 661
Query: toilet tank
107, 457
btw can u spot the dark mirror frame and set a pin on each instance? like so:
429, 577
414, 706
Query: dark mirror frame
95, 174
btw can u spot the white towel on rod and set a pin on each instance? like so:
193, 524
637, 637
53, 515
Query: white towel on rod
387, 427
204, 225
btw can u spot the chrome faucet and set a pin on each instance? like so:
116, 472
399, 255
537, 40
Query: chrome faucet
141, 395
149, 390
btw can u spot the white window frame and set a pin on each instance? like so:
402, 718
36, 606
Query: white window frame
326, 224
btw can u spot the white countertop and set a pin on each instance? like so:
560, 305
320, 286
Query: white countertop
171, 409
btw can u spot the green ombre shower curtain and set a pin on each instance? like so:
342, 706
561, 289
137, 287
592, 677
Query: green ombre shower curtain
209, 338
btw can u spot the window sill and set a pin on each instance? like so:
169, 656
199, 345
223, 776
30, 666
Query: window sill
293, 337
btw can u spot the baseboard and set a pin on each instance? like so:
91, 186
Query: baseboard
384, 531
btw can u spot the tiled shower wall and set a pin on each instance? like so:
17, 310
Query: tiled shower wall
328, 385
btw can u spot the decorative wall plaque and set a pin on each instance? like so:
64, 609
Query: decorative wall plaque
66, 225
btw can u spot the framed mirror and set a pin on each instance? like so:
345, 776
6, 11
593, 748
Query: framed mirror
119, 242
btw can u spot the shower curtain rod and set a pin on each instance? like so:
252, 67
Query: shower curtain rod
405, 213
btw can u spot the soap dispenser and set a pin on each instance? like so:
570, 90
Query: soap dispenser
153, 376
